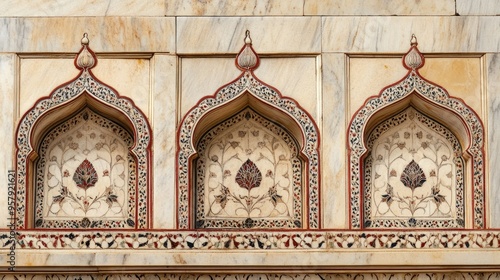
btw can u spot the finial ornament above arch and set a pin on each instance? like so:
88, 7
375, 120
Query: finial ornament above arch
85, 96
434, 102
247, 91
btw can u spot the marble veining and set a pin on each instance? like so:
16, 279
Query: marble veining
380, 7
442, 34
333, 142
152, 34
493, 88
270, 34
164, 108
41, 8
7, 106
478, 7
232, 8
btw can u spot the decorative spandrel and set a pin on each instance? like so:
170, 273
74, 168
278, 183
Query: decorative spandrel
85, 175
249, 175
415, 174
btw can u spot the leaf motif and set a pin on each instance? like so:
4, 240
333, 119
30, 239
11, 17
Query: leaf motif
85, 175
111, 198
413, 176
248, 176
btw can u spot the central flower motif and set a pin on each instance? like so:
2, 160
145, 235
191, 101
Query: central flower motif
413, 176
248, 176
85, 175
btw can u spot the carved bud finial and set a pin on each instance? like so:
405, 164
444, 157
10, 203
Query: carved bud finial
86, 58
247, 58
413, 59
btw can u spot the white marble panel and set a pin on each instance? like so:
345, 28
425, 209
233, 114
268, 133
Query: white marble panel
38, 77
129, 76
379, 7
294, 77
234, 8
493, 152
478, 7
128, 259
333, 143
44, 8
206, 35
392, 34
106, 34
164, 131
460, 76
7, 123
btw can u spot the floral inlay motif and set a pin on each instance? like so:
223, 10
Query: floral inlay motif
248, 175
414, 173
413, 176
84, 174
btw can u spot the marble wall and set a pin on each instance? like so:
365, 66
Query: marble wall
328, 56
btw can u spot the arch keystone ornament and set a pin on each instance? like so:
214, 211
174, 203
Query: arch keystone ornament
83, 157
410, 149
247, 157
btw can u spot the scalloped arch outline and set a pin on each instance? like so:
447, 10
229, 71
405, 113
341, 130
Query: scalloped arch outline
85, 90
247, 84
413, 85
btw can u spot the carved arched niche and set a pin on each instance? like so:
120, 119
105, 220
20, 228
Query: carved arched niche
416, 157
83, 157
248, 158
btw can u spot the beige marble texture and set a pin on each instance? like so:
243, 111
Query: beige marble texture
130, 77
294, 77
7, 126
478, 7
106, 34
269, 34
493, 144
460, 76
312, 259
164, 132
233, 8
333, 143
53, 8
40, 76
379, 7
392, 34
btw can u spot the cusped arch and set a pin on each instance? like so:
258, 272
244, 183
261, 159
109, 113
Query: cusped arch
247, 94
77, 101
434, 103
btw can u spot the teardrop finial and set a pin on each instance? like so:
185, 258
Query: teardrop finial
248, 40
413, 40
247, 58
85, 59
85, 39
413, 59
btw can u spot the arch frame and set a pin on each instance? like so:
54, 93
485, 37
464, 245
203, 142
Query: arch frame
85, 90
414, 85
268, 97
